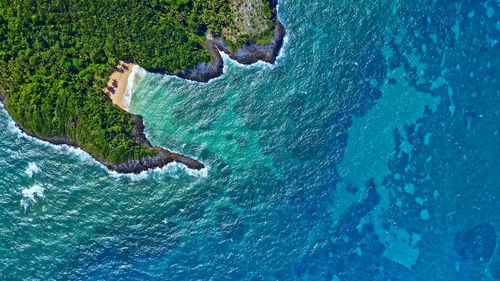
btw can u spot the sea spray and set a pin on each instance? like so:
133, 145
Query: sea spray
286, 39
259, 64
71, 150
30, 195
282, 51
173, 170
32, 169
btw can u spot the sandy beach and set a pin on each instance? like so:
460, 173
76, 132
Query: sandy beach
117, 84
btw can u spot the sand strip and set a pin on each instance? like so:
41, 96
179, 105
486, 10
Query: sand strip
117, 84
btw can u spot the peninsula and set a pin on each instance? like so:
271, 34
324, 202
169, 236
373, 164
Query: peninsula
64, 65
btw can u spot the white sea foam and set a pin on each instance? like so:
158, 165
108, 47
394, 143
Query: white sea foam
226, 61
30, 195
59, 147
203, 173
71, 150
286, 42
221, 76
259, 64
173, 170
281, 53
32, 169
136, 74
146, 134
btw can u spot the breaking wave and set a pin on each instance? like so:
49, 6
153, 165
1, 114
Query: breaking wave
137, 74
32, 169
30, 195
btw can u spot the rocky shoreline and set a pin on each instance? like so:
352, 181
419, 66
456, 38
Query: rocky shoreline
162, 157
135, 166
253, 53
202, 72
247, 54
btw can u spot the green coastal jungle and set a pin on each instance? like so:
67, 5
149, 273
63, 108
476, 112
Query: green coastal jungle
56, 57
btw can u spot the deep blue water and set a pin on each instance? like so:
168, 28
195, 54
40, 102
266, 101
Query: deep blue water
370, 151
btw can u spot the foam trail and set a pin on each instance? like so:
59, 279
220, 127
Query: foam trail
137, 73
31, 194
203, 173
221, 76
286, 40
32, 169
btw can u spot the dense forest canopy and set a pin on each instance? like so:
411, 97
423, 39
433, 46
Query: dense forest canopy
56, 57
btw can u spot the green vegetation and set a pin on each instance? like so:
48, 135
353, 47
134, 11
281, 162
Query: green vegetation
214, 14
56, 57
252, 22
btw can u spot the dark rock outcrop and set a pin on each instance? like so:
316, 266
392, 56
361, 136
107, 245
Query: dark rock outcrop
204, 71
160, 159
252, 53
247, 54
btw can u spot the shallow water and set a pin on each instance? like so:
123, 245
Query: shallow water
370, 151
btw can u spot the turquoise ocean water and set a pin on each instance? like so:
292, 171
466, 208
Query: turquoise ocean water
370, 151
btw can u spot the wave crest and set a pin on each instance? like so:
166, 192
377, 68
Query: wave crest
137, 74
32, 169
30, 195
172, 169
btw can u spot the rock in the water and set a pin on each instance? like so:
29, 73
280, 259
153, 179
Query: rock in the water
252, 53
204, 71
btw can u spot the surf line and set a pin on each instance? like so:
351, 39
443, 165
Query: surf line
80, 153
